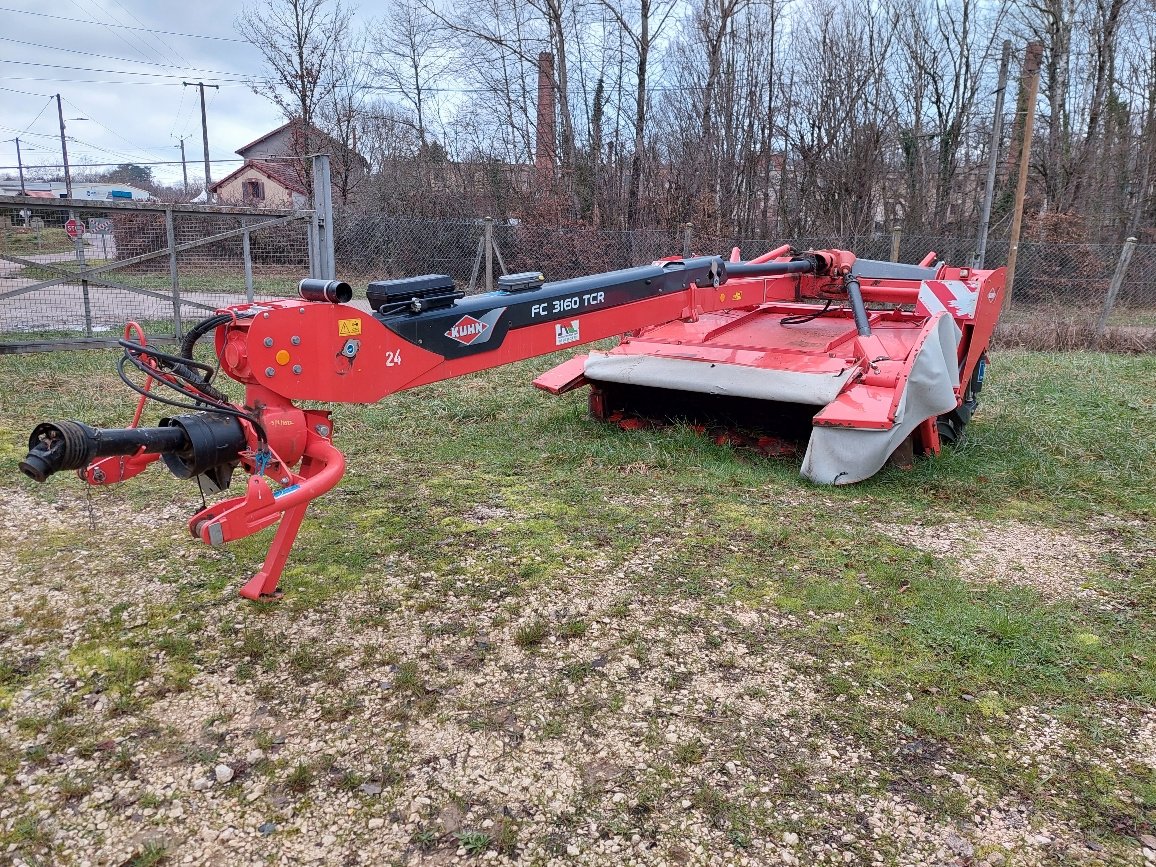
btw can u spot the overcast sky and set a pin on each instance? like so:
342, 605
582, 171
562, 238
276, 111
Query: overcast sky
127, 83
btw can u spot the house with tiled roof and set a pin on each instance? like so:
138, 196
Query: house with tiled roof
263, 184
276, 169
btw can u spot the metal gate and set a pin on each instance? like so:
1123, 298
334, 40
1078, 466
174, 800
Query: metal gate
161, 265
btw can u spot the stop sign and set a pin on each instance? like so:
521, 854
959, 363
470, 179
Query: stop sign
74, 228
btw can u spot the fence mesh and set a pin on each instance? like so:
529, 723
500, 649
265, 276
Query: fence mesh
43, 299
1053, 279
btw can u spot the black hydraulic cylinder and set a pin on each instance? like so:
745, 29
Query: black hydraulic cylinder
769, 269
858, 309
72, 445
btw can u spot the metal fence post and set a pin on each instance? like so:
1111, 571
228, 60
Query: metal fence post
992, 158
248, 263
171, 233
323, 217
896, 237
1031, 73
687, 230
488, 223
1115, 285
84, 292
311, 243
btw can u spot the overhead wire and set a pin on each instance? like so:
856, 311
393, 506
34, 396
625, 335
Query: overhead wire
27, 93
113, 71
124, 26
111, 30
163, 43
177, 118
113, 57
105, 165
38, 114
102, 81
33, 134
137, 148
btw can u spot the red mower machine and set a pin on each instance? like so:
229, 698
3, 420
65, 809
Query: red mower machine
906, 369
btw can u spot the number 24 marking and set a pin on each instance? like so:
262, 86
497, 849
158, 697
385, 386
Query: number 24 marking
393, 358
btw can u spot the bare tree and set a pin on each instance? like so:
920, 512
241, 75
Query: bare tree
341, 113
299, 41
412, 58
642, 30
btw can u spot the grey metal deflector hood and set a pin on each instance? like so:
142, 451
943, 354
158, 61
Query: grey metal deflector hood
732, 380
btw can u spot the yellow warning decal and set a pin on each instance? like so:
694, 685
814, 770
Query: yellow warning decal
348, 327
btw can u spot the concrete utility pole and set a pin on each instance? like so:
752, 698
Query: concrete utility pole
64, 150
993, 156
1032, 80
200, 85
20, 166
184, 165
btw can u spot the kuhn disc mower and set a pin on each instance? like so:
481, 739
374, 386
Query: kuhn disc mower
868, 380
756, 330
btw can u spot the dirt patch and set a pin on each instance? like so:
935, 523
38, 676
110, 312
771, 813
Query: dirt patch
1057, 563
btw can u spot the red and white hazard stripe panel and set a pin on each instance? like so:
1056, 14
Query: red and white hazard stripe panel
950, 296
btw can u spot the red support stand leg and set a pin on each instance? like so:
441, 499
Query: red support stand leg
322, 466
929, 436
263, 585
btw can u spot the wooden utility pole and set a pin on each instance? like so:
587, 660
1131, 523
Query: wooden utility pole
1032, 85
184, 165
993, 156
64, 150
20, 166
200, 85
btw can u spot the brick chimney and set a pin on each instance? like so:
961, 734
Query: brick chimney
546, 138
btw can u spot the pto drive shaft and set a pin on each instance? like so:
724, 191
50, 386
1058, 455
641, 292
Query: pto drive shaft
191, 444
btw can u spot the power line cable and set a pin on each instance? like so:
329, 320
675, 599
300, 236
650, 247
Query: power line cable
113, 32
163, 43
113, 57
113, 71
113, 132
33, 134
38, 114
101, 81
125, 26
97, 81
28, 93
73, 165
112, 153
177, 118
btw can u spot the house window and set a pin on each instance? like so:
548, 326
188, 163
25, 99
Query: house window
253, 191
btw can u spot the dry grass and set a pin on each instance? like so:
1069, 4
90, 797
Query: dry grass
1052, 331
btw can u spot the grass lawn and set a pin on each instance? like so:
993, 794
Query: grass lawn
21, 242
516, 633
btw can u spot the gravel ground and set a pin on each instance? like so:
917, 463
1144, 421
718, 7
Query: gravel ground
436, 720
1059, 563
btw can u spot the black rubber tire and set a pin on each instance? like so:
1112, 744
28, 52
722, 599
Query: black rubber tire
951, 424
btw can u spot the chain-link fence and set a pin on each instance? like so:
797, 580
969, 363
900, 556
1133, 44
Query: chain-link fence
381, 246
1063, 277
53, 289
1070, 279
71, 273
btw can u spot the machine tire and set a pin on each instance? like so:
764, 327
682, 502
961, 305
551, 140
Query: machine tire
951, 424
